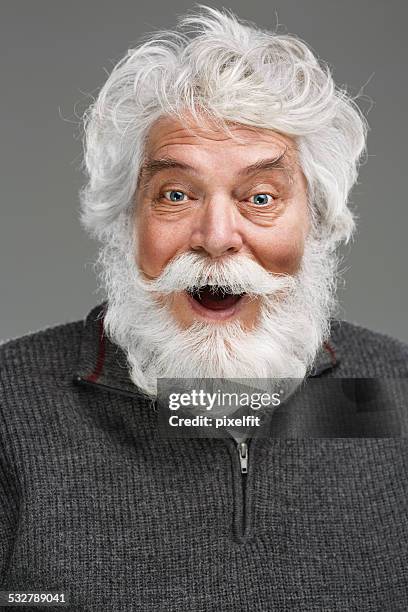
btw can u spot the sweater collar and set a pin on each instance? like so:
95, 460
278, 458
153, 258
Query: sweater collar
103, 363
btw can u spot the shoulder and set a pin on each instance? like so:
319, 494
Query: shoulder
36, 373
366, 353
36, 390
53, 348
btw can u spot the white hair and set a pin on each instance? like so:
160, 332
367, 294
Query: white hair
293, 322
231, 71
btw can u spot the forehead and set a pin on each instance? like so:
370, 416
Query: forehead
202, 141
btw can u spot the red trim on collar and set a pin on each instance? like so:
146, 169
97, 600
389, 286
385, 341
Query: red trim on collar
331, 352
101, 355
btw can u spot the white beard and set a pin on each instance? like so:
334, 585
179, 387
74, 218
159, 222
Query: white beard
293, 322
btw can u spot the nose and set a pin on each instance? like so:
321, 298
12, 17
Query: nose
216, 229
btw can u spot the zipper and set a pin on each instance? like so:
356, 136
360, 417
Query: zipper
243, 456
241, 520
242, 448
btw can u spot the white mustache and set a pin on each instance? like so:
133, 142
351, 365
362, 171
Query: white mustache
237, 274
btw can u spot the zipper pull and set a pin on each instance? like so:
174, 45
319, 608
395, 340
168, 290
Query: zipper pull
243, 456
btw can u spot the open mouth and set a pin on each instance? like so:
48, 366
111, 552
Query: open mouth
215, 297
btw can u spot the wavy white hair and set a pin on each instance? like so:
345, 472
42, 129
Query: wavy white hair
234, 72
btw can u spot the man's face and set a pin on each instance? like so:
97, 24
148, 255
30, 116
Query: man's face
228, 211
202, 191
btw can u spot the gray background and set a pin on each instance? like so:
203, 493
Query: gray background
54, 55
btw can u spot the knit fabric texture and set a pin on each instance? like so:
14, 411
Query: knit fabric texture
95, 504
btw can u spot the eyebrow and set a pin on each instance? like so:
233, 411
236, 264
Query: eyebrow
151, 167
272, 163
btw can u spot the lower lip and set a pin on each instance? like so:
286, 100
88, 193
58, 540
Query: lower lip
216, 315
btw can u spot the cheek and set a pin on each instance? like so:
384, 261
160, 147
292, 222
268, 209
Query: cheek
156, 244
281, 251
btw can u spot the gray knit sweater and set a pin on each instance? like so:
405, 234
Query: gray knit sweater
95, 504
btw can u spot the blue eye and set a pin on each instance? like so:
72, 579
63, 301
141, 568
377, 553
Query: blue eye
261, 199
175, 196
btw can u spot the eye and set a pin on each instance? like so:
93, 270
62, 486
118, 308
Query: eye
261, 199
175, 196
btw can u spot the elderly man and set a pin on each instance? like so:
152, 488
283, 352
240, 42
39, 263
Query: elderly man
220, 158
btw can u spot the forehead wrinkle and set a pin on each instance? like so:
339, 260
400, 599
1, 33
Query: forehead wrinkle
152, 166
